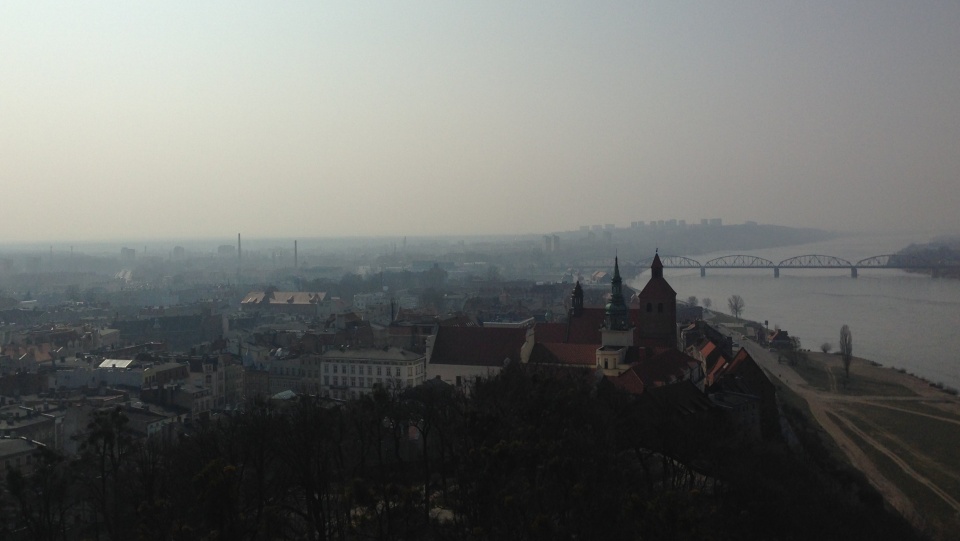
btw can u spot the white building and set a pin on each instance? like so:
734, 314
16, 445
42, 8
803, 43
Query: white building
351, 372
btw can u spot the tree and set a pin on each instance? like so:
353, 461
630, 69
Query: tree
846, 348
707, 303
826, 347
736, 305
692, 301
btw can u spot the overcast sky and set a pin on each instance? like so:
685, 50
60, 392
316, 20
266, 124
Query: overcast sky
198, 119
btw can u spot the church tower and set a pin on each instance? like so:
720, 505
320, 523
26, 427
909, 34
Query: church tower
617, 314
658, 309
616, 336
576, 301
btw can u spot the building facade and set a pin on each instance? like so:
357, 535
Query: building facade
346, 373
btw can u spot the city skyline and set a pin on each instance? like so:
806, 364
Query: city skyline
176, 120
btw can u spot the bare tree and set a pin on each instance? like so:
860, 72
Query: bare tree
846, 348
707, 302
826, 347
692, 301
736, 305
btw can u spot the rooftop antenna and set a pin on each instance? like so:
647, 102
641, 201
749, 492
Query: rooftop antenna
239, 258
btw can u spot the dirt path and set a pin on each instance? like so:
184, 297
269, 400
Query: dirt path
902, 464
828, 408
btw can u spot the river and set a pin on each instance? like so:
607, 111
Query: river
897, 319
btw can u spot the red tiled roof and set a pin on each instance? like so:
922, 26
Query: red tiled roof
477, 346
584, 329
717, 369
567, 354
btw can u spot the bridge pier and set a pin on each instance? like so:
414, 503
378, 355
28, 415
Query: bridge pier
853, 272
703, 272
776, 272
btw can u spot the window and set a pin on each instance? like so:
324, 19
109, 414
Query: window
397, 373
334, 369
353, 369
326, 368
659, 307
378, 370
353, 382
369, 370
649, 307
409, 370
326, 380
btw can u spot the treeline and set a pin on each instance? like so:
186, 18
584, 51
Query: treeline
528, 455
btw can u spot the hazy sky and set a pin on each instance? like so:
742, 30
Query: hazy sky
181, 119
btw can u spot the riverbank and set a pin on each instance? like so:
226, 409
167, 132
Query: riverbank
899, 430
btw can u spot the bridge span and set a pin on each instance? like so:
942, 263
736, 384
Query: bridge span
814, 261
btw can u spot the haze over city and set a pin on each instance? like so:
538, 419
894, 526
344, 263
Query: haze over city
178, 119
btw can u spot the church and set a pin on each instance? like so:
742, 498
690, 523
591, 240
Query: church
634, 344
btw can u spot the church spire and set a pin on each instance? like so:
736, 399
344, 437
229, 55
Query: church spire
617, 313
656, 268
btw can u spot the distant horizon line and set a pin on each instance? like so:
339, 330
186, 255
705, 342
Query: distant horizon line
66, 245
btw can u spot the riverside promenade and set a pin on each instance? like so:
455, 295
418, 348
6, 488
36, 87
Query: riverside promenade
899, 430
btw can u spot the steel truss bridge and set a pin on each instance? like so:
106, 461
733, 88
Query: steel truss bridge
813, 261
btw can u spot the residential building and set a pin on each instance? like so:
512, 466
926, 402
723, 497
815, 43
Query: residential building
345, 373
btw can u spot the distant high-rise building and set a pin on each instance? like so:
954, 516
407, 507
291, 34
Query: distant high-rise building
127, 255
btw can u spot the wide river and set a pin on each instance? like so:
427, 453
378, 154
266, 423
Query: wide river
896, 318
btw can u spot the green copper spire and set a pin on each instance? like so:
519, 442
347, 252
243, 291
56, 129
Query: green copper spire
617, 313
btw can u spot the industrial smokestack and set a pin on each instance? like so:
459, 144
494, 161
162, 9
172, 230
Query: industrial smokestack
295, 254
239, 258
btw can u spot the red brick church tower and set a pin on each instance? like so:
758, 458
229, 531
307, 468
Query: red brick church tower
658, 309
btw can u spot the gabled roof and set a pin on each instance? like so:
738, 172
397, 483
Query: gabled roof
583, 329
584, 355
742, 366
477, 346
